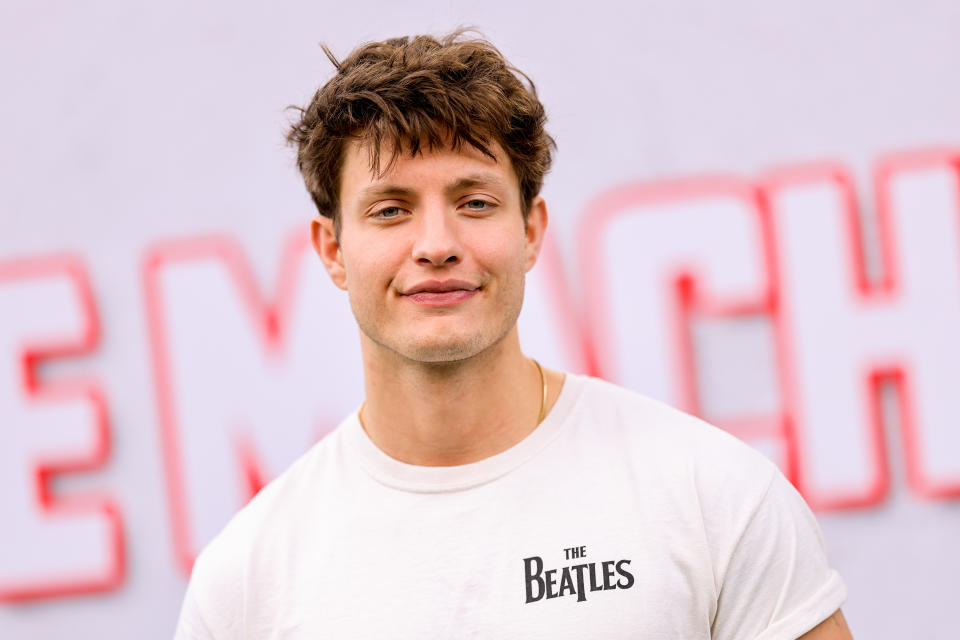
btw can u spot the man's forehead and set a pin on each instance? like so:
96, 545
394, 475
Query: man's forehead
373, 171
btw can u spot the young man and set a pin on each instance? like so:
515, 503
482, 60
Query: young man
475, 494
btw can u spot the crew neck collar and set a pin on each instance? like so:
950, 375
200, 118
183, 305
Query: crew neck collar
422, 479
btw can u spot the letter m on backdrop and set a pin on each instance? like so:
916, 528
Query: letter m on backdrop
245, 382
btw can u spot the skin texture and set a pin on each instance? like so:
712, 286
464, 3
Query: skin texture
833, 628
446, 382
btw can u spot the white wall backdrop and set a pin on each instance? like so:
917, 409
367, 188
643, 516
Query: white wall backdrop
755, 215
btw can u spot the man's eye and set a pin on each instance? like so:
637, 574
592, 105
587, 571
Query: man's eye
389, 212
477, 205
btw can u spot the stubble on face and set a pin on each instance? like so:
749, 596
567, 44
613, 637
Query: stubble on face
377, 272
443, 348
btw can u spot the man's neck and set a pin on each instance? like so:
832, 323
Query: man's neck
452, 413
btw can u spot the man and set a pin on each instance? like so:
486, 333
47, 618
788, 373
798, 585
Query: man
475, 494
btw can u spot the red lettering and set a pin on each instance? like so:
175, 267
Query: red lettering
54, 543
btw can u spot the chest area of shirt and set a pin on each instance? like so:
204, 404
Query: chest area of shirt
459, 568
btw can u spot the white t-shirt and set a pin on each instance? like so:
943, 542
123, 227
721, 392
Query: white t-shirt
618, 517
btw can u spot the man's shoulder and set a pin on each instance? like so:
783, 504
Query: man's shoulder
640, 415
273, 506
666, 440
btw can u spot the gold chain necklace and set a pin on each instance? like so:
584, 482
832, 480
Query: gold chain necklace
543, 396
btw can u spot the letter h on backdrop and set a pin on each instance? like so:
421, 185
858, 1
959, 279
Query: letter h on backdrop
785, 258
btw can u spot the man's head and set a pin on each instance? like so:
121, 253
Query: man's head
403, 95
425, 159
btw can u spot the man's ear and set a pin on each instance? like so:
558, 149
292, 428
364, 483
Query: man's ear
324, 236
536, 228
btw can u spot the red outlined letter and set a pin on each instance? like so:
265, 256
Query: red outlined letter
841, 333
53, 544
244, 383
918, 194
550, 325
657, 259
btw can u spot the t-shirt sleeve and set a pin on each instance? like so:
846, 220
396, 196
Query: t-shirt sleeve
191, 625
777, 583
212, 606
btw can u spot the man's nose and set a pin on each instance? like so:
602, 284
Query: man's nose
437, 241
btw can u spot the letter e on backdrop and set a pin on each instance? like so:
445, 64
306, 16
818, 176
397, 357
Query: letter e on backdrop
52, 543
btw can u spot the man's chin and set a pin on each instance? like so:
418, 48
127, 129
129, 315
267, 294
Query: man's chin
434, 348
438, 352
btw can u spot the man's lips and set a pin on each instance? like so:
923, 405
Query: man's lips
440, 293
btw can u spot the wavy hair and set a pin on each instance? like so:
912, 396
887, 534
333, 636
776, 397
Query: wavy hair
410, 93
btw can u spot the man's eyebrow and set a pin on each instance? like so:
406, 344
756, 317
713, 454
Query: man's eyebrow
467, 182
475, 180
382, 190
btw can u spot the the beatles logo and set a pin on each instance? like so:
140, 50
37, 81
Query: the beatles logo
575, 578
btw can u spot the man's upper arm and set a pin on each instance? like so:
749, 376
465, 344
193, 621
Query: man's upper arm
833, 628
191, 624
777, 582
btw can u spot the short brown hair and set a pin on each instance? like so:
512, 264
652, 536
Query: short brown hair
407, 93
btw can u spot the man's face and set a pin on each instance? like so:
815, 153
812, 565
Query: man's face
433, 253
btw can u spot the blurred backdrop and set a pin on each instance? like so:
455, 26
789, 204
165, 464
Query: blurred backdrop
755, 215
